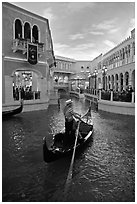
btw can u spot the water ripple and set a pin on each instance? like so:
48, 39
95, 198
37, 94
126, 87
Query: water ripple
103, 172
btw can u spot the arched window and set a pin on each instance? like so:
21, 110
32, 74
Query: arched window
65, 65
112, 82
109, 82
120, 54
27, 31
123, 53
133, 48
121, 82
126, 78
18, 29
116, 82
82, 69
35, 34
129, 50
133, 80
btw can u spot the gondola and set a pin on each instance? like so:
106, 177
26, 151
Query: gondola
57, 150
9, 113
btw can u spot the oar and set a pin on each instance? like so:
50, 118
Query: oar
69, 177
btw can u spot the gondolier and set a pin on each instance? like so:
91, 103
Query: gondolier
58, 149
70, 122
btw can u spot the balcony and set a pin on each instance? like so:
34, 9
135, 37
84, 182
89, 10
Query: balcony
21, 45
63, 70
61, 85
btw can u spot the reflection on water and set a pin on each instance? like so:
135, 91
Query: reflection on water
104, 171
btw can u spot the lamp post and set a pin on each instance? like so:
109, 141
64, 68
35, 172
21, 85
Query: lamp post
104, 70
95, 76
89, 81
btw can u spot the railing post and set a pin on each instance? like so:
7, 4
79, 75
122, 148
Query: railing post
133, 94
33, 95
99, 94
19, 95
111, 98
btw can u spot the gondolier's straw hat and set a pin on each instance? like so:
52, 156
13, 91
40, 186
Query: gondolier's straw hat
68, 102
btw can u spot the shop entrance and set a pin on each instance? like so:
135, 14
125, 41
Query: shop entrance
26, 85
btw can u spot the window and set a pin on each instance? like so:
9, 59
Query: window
18, 29
82, 69
129, 50
87, 69
133, 48
35, 34
27, 31
123, 52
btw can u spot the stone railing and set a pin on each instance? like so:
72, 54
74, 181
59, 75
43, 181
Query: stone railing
21, 44
117, 96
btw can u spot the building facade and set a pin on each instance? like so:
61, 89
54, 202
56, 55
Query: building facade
80, 77
61, 74
116, 69
27, 54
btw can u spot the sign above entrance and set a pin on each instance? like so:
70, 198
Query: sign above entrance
32, 54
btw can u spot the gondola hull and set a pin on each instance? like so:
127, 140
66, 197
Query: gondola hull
58, 151
7, 114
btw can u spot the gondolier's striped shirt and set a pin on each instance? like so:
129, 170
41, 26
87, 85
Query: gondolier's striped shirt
68, 113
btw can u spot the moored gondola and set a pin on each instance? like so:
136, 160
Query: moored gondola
58, 150
9, 113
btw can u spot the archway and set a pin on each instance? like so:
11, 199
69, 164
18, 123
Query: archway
121, 81
106, 82
109, 82
99, 84
112, 82
133, 80
126, 80
116, 82
61, 93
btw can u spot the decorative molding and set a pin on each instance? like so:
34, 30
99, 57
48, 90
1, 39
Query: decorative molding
19, 59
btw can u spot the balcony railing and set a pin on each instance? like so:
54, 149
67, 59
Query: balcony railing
61, 84
21, 44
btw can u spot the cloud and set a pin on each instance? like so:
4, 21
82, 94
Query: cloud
130, 27
85, 46
113, 30
109, 43
105, 25
47, 13
76, 36
78, 6
78, 52
96, 33
59, 46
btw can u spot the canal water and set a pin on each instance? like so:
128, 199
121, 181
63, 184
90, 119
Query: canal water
103, 172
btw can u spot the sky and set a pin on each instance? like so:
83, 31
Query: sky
84, 30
